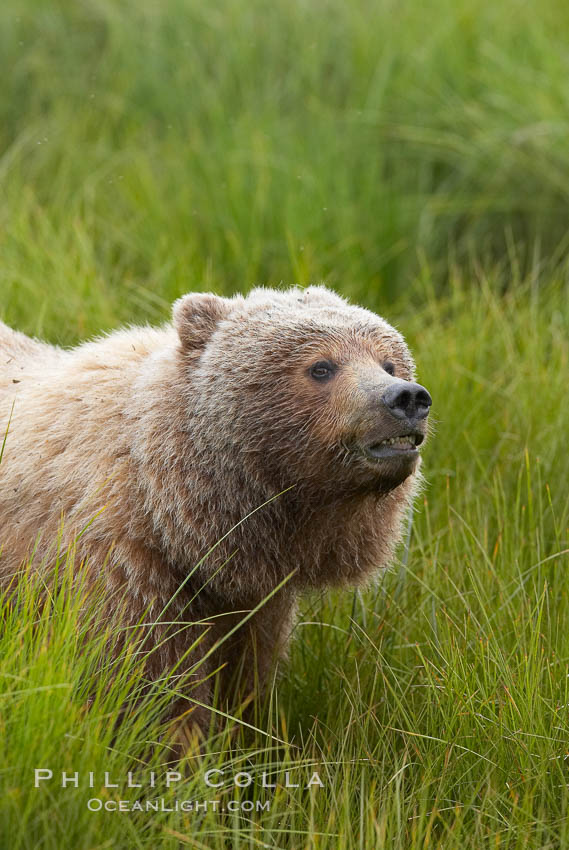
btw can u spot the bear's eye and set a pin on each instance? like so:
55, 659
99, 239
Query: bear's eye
389, 367
323, 370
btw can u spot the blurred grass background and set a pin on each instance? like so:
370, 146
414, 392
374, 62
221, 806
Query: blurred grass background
151, 147
415, 157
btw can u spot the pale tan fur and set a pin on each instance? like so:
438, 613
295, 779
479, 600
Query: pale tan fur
156, 443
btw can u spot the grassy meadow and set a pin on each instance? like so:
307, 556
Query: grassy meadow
414, 157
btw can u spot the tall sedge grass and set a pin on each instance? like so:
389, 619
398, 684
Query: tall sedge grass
150, 148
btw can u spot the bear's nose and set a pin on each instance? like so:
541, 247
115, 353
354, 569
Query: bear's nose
407, 401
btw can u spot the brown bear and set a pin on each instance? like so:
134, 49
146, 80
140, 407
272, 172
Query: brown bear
211, 470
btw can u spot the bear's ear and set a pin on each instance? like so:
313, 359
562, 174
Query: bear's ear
196, 315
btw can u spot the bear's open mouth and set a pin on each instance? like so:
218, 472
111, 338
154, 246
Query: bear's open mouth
404, 444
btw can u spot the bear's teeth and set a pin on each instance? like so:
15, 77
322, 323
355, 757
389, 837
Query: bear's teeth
408, 442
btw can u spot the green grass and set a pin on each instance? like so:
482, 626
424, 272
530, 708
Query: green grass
147, 148
413, 156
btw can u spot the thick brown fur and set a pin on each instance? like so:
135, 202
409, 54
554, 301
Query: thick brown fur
158, 444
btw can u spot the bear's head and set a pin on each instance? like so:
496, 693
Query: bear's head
298, 387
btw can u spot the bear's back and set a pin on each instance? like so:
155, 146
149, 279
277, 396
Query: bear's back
21, 355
